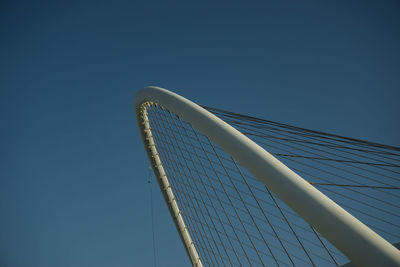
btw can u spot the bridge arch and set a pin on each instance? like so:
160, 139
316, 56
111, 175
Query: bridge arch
359, 243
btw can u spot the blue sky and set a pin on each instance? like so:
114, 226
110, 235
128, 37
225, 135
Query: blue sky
73, 176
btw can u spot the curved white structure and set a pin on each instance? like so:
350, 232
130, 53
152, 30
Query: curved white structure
358, 242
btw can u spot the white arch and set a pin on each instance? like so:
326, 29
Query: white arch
354, 239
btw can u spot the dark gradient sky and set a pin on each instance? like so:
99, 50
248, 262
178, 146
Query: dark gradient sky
73, 174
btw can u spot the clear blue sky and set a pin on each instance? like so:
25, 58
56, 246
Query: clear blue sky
73, 173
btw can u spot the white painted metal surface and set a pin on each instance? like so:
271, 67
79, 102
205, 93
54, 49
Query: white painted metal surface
144, 126
358, 242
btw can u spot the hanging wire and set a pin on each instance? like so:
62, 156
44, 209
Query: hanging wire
152, 216
235, 220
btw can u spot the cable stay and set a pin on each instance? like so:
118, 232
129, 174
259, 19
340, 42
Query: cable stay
235, 220
152, 217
